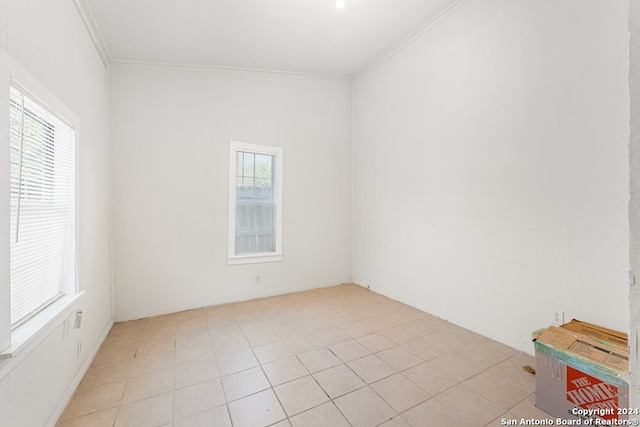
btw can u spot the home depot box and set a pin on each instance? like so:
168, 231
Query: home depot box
581, 377
610, 336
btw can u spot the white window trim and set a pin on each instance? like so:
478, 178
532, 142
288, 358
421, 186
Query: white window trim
35, 330
277, 152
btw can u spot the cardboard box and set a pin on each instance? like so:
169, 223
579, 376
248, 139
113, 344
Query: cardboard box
582, 377
610, 336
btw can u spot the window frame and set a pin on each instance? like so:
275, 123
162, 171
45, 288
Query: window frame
19, 340
258, 257
43, 192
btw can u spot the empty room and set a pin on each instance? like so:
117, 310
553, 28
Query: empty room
318, 212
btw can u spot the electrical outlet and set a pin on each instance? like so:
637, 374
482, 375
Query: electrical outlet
258, 280
79, 348
557, 317
78, 322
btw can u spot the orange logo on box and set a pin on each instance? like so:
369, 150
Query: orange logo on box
591, 393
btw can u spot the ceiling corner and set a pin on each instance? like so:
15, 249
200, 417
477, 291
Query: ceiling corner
94, 31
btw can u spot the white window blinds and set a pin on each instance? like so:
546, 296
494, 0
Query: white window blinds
42, 206
255, 203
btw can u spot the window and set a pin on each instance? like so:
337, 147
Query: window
42, 238
255, 203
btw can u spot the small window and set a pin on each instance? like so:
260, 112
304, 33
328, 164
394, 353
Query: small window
42, 239
255, 203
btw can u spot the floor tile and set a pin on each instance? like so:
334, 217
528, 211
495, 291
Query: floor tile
156, 344
399, 358
340, 356
331, 336
440, 343
343, 318
244, 383
432, 413
321, 416
487, 352
364, 408
153, 362
190, 338
371, 368
290, 329
381, 323
95, 399
400, 393
227, 343
260, 335
458, 365
197, 398
527, 409
303, 344
474, 408
396, 421
106, 357
236, 362
348, 350
511, 370
318, 360
260, 409
150, 412
99, 375
401, 334
299, 395
193, 354
196, 372
284, 370
104, 418
494, 388
273, 351
218, 417
338, 380
376, 342
148, 385
356, 329
429, 378
317, 323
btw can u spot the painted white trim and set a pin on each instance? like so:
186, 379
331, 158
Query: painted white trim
254, 258
37, 90
75, 381
277, 152
89, 19
28, 336
427, 26
5, 286
232, 68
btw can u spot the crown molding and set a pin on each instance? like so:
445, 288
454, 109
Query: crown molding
94, 31
411, 38
231, 68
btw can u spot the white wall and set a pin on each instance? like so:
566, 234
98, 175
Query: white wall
50, 40
171, 128
491, 168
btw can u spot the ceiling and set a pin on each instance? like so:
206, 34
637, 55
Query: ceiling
306, 36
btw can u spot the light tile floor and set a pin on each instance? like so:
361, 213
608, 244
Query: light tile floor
339, 356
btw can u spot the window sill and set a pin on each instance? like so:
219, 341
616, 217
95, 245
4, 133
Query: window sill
254, 258
33, 332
